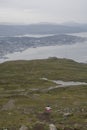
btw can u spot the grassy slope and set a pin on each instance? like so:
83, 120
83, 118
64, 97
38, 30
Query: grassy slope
25, 75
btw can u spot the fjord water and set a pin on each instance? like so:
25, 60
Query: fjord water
76, 51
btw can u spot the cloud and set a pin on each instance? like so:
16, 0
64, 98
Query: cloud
21, 16
43, 10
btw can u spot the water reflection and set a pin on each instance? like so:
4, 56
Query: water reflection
77, 52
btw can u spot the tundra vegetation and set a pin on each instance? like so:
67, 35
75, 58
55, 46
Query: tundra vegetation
24, 94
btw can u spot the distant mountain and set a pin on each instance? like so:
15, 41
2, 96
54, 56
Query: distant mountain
71, 23
41, 28
74, 24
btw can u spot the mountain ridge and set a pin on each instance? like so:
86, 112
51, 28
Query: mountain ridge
41, 28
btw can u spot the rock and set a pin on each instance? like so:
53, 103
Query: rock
67, 114
9, 105
23, 127
52, 127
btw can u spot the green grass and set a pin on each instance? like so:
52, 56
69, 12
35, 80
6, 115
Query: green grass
18, 79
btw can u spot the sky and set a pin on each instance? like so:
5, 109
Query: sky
36, 11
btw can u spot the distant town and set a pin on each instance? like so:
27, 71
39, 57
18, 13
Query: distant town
21, 43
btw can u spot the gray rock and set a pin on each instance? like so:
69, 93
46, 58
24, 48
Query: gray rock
9, 105
52, 127
23, 127
67, 114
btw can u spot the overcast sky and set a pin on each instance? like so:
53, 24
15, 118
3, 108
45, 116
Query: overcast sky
34, 11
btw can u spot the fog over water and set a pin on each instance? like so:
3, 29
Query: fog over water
77, 52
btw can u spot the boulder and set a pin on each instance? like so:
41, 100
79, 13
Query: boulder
23, 127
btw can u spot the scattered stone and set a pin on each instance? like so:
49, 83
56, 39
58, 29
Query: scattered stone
52, 127
23, 127
67, 114
9, 105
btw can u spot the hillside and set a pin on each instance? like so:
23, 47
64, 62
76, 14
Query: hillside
24, 93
